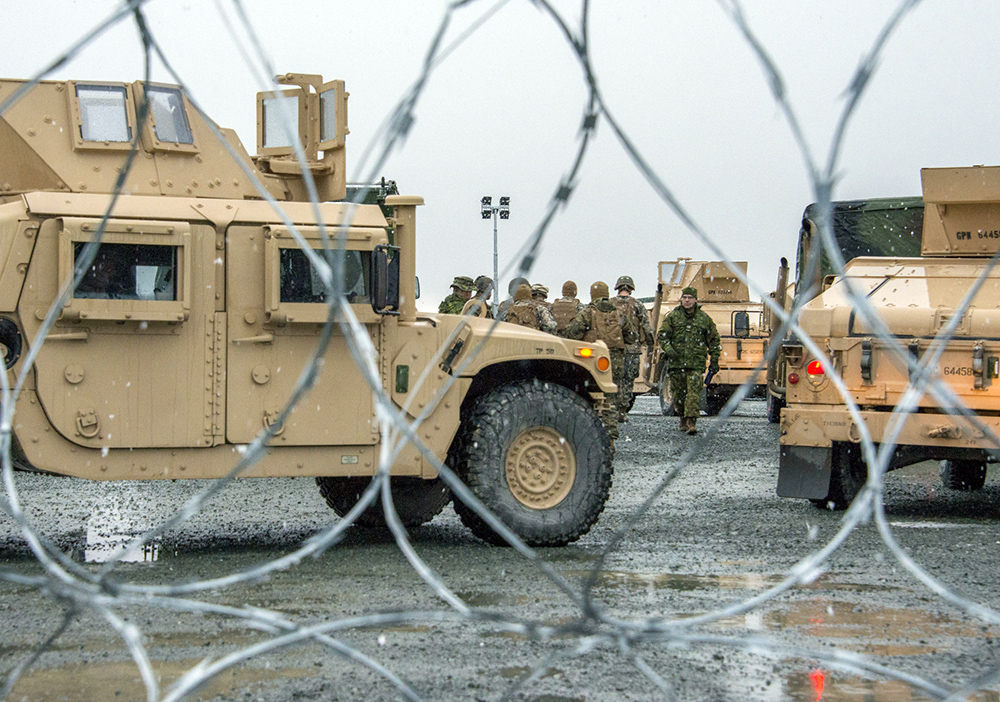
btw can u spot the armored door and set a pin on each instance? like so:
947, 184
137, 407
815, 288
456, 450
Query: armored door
276, 306
131, 360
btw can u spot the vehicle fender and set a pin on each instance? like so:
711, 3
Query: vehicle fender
804, 471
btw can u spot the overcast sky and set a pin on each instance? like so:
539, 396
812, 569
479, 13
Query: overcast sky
501, 115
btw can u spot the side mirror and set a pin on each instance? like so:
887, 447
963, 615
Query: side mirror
741, 325
385, 279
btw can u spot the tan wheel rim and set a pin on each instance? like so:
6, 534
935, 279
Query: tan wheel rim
540, 467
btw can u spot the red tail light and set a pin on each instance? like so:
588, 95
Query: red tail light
815, 368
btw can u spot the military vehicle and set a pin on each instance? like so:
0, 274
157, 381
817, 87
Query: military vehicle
872, 227
199, 308
918, 299
726, 299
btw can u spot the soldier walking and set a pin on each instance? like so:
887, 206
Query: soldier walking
461, 290
601, 321
566, 307
687, 336
527, 313
637, 319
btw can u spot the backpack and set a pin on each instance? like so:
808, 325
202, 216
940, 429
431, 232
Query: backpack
523, 314
606, 327
564, 310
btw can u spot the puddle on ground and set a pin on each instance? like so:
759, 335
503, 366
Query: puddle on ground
121, 682
113, 525
493, 599
823, 686
612, 579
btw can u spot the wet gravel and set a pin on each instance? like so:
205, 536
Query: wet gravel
716, 536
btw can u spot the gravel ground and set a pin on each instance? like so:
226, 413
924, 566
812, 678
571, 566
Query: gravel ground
716, 537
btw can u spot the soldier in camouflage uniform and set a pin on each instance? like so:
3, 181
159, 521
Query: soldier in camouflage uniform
461, 290
637, 320
566, 307
601, 321
540, 295
686, 336
512, 287
479, 305
525, 312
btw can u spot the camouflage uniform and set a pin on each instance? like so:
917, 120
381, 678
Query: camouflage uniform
565, 308
637, 319
540, 295
479, 305
687, 337
601, 321
454, 303
512, 287
527, 313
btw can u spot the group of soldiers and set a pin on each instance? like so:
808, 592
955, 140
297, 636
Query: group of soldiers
687, 335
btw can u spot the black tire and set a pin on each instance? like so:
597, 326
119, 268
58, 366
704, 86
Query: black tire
716, 399
774, 406
417, 501
848, 474
666, 398
551, 443
967, 476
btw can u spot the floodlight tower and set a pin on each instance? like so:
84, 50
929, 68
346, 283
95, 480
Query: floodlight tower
489, 211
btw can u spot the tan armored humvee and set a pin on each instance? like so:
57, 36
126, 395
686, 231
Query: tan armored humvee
726, 299
917, 298
194, 318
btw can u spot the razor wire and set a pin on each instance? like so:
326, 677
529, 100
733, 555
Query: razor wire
78, 589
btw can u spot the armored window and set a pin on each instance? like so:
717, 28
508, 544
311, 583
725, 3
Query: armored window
280, 120
128, 272
333, 121
169, 116
103, 113
301, 282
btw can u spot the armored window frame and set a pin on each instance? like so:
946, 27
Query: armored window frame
268, 121
280, 311
77, 231
332, 127
79, 110
180, 121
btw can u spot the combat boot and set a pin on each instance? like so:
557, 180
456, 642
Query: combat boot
691, 428
684, 424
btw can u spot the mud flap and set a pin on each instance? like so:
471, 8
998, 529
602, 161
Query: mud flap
804, 471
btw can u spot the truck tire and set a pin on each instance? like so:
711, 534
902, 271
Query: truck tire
848, 474
716, 399
417, 500
666, 398
774, 406
538, 456
963, 475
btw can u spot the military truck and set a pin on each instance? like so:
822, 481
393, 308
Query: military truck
888, 226
918, 299
726, 299
198, 304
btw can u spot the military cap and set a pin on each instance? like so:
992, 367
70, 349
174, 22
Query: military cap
539, 289
463, 282
483, 283
599, 290
523, 292
569, 289
693, 292
625, 282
